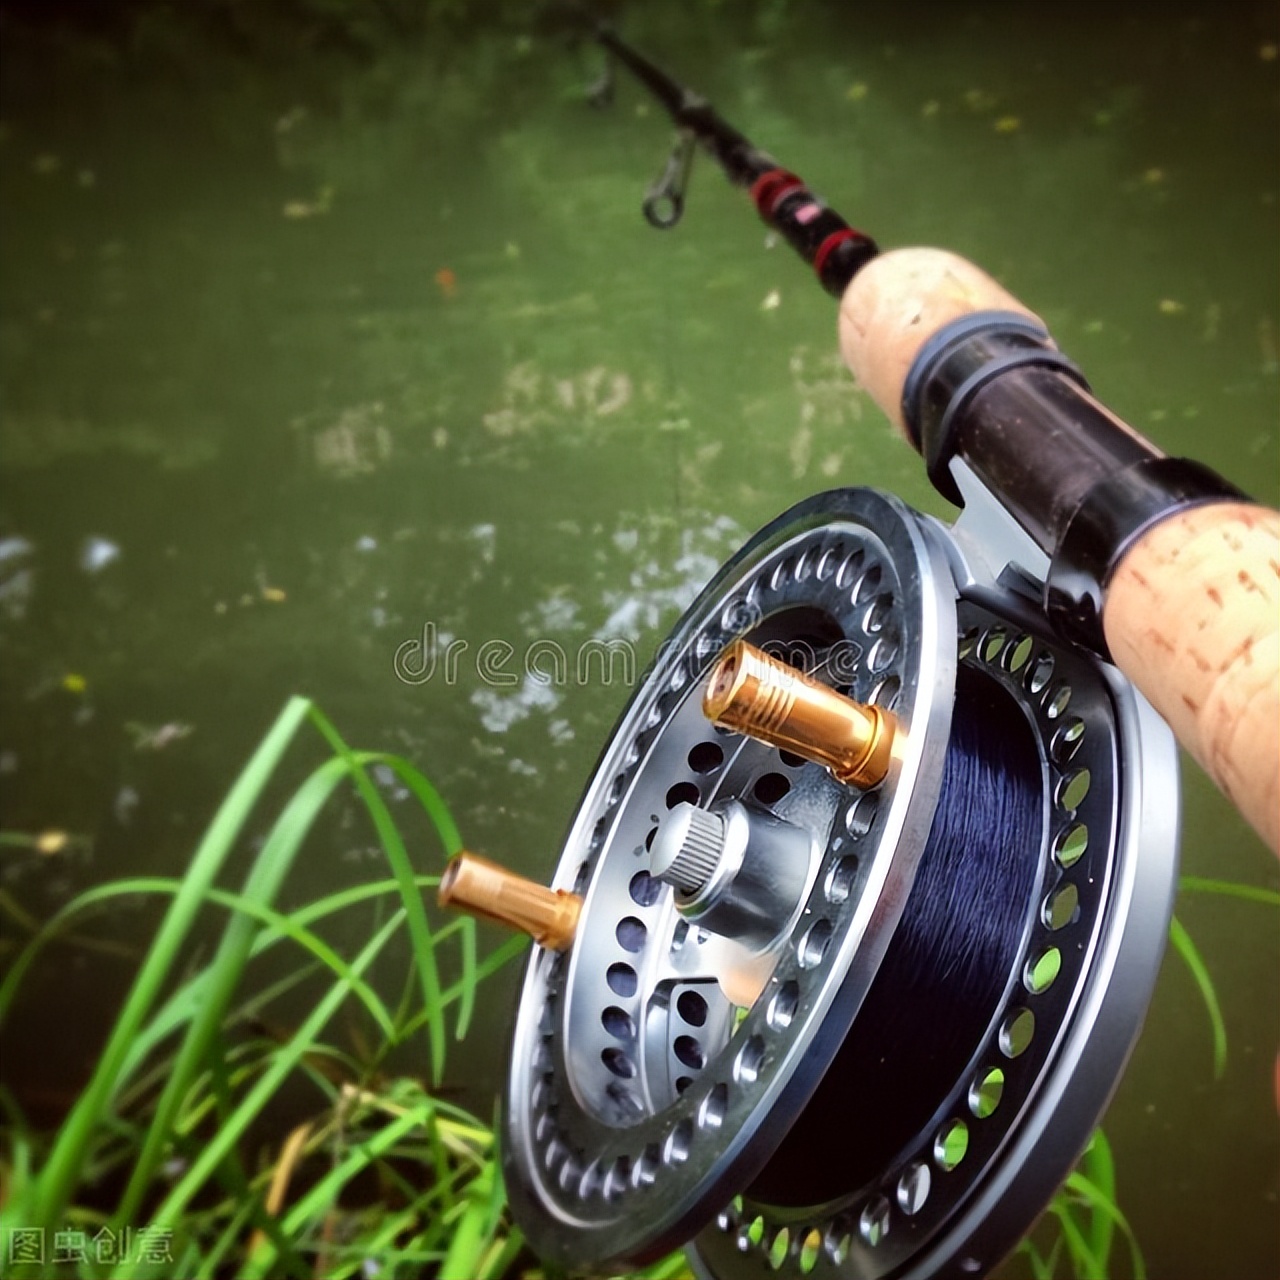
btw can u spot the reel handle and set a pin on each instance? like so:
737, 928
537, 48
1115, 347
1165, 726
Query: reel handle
1187, 603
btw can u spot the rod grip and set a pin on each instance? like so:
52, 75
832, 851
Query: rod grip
896, 303
1192, 617
1191, 610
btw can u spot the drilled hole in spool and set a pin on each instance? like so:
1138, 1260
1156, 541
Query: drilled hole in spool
705, 757
682, 793
1017, 1032
841, 879
913, 1187
873, 1222
1071, 845
1061, 907
617, 1022
1073, 789
619, 1062
712, 1110
1040, 672
692, 1008
644, 889
688, 1050
813, 946
1066, 742
1016, 655
770, 788
951, 1144
631, 933
676, 1148
810, 1250
622, 980
1041, 971
783, 1005
778, 1249
985, 1093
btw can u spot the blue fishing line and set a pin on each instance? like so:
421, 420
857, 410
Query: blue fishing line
946, 968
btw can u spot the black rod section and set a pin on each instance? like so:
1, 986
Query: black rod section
811, 227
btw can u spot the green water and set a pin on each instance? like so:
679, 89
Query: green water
302, 353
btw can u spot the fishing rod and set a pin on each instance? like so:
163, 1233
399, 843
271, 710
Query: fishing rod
857, 919
1155, 563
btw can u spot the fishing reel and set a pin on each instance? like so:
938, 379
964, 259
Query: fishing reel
857, 920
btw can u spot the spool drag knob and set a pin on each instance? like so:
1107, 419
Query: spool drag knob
688, 848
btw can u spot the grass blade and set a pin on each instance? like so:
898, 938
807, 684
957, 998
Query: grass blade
1182, 943
284, 1061
227, 967
56, 1180
1100, 1171
1230, 889
402, 869
1106, 1207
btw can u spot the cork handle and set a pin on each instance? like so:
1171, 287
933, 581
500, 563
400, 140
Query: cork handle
897, 302
1191, 612
1192, 616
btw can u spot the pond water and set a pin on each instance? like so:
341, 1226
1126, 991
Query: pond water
310, 362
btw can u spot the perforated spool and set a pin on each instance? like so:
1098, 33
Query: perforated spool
656, 1068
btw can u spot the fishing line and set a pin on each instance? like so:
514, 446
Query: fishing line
946, 967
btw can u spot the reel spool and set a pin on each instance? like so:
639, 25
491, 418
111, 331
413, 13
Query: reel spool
856, 1027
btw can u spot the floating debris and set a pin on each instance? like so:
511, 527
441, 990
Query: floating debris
930, 108
296, 209
1007, 124
51, 842
447, 282
857, 91
74, 682
366, 543
1212, 321
273, 595
1171, 307
96, 553
16, 576
147, 738
357, 444
126, 801
291, 119
772, 300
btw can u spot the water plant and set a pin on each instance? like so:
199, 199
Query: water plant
386, 1177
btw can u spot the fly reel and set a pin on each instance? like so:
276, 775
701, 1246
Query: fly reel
840, 983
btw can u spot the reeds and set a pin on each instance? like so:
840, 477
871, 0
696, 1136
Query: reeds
387, 1175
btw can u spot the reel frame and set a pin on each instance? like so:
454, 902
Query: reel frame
622, 1141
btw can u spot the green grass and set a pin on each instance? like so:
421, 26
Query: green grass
168, 1132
